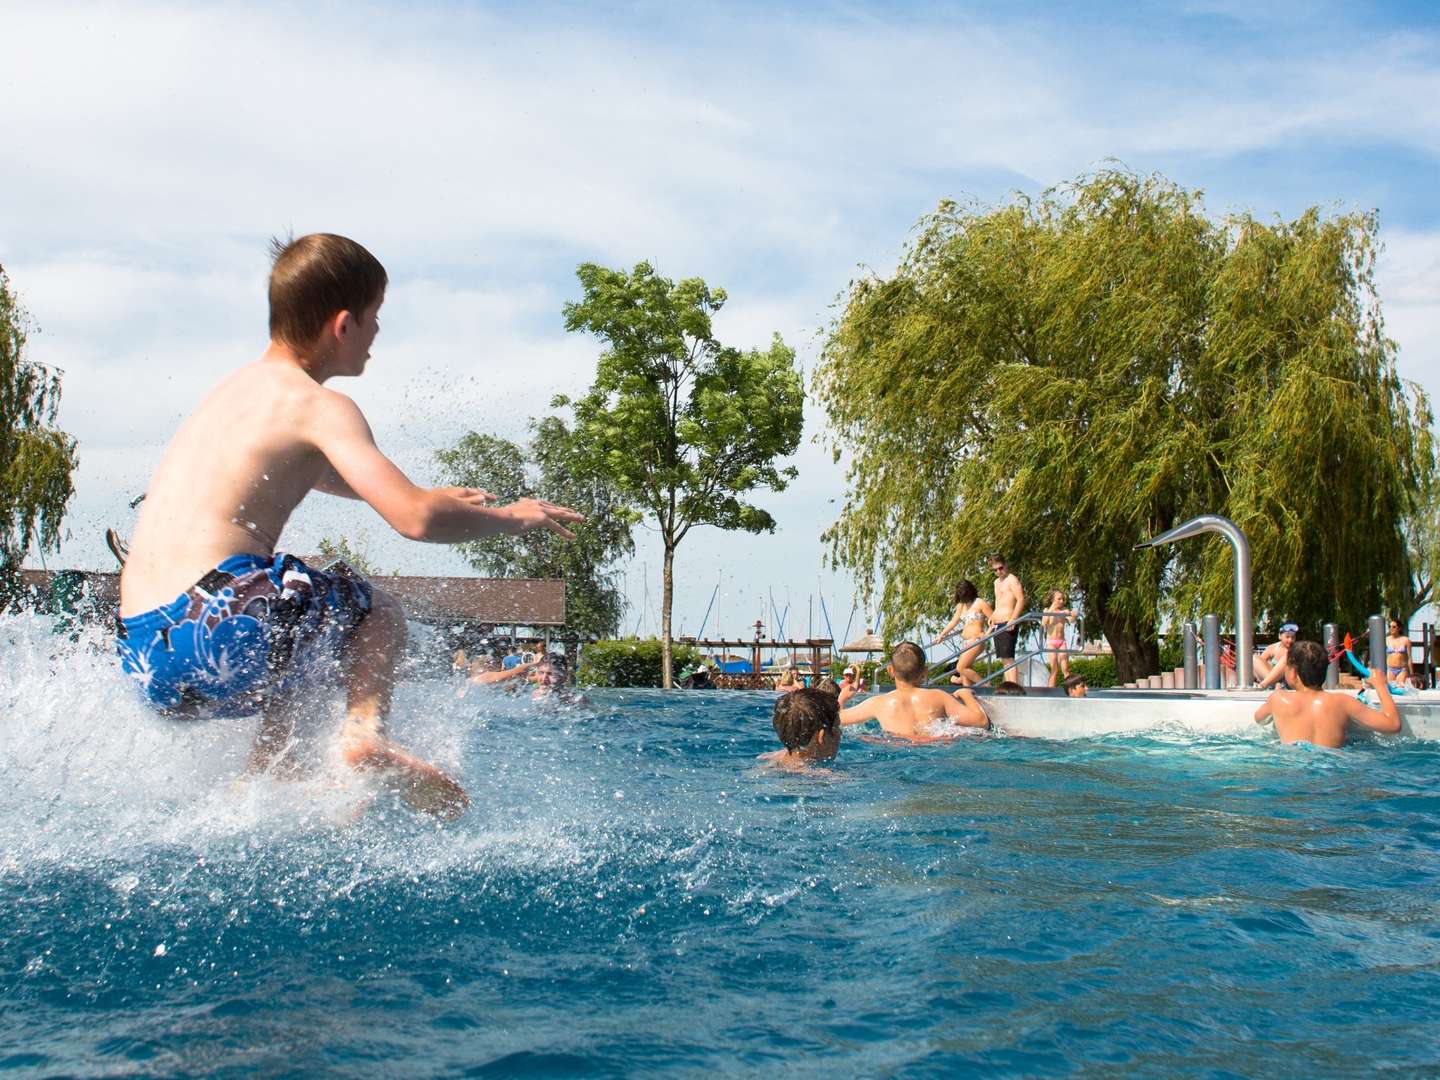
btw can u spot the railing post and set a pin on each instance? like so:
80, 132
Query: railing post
1192, 665
1211, 625
1377, 643
1332, 644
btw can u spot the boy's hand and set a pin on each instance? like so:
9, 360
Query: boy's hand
475, 496
532, 514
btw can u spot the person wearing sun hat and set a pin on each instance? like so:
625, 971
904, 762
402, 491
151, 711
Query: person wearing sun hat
851, 678
1270, 664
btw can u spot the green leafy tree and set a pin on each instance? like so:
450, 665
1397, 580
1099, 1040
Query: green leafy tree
550, 468
352, 552
37, 460
1063, 377
683, 426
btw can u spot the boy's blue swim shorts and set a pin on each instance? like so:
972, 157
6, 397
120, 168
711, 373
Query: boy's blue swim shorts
253, 627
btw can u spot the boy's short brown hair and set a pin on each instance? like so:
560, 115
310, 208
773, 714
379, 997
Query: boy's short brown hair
907, 662
1310, 662
801, 713
314, 278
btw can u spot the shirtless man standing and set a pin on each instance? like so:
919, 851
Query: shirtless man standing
909, 710
1312, 714
214, 620
1009, 605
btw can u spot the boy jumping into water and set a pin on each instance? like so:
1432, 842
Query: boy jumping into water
908, 711
214, 620
1312, 714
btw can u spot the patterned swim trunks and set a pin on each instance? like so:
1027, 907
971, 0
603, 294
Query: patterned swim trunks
253, 627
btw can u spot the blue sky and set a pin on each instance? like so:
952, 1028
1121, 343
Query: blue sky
482, 151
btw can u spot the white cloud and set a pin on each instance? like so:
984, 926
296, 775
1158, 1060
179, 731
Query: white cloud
151, 150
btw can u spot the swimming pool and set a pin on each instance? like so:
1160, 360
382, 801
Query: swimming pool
629, 895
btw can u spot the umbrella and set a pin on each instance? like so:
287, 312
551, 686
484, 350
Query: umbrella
867, 643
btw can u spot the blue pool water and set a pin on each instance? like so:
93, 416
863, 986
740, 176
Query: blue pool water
630, 896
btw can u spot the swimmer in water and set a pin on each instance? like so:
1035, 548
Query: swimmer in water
910, 710
486, 671
551, 677
214, 620
808, 723
1309, 713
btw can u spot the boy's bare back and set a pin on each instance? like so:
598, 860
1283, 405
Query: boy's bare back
910, 712
231, 477
1321, 717
1309, 713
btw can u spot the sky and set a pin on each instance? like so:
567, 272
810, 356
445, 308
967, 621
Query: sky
148, 152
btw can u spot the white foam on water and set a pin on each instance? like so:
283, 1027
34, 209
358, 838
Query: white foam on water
92, 779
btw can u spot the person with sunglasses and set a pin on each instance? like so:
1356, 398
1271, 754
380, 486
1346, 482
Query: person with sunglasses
1009, 605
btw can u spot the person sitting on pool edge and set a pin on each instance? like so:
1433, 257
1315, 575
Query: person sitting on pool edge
908, 711
213, 618
1311, 714
1270, 664
808, 723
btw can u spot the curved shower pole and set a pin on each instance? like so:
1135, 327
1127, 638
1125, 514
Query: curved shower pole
1244, 620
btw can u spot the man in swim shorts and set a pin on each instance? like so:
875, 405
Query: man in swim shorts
213, 619
1009, 605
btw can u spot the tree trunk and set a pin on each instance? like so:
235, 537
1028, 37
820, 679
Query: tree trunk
667, 594
1134, 646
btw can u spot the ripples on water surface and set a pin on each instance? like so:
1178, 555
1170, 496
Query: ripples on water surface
629, 895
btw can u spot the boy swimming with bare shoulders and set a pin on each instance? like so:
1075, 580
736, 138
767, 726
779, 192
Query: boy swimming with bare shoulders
911, 710
1310, 713
213, 619
808, 724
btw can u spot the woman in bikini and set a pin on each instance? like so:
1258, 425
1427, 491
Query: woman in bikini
1056, 617
971, 615
1397, 655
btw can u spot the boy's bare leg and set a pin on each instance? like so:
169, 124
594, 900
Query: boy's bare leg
271, 740
374, 655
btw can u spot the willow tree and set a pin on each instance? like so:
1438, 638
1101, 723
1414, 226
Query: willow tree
36, 458
1064, 376
549, 467
682, 425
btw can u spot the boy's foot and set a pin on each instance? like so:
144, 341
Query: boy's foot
958, 680
419, 783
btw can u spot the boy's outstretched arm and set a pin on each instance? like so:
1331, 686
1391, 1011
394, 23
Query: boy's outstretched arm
965, 710
858, 714
1385, 719
1266, 711
437, 515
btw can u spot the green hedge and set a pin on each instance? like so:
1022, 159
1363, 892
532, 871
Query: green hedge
1098, 671
630, 662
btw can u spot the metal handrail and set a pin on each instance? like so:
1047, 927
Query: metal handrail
1031, 617
1028, 618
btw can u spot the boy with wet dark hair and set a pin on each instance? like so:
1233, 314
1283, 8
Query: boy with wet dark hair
808, 723
911, 709
214, 619
1311, 714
